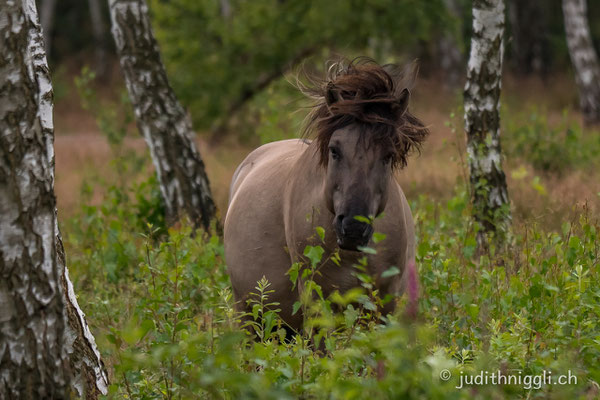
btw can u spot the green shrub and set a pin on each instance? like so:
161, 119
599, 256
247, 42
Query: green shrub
550, 147
161, 306
162, 310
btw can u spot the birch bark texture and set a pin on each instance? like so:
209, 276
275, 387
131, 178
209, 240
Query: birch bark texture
482, 118
584, 58
44, 339
161, 119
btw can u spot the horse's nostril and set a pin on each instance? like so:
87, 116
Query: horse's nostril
340, 224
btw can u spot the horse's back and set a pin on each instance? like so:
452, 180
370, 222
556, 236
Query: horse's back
254, 229
278, 156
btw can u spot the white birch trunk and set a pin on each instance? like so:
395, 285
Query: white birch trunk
45, 343
161, 119
482, 117
584, 58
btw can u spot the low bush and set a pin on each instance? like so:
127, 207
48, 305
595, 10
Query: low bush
161, 307
549, 147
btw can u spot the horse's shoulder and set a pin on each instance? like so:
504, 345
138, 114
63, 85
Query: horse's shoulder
269, 161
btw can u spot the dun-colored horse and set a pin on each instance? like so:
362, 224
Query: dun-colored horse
283, 190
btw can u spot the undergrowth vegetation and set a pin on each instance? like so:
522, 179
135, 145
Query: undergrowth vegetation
162, 310
161, 306
550, 147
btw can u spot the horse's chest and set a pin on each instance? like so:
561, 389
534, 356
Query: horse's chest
332, 277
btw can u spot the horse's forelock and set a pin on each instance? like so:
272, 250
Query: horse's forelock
365, 93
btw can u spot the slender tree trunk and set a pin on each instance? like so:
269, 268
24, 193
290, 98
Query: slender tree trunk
47, 11
98, 30
528, 28
160, 117
482, 118
45, 343
451, 58
225, 8
584, 58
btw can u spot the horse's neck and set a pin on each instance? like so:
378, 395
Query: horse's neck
307, 167
304, 202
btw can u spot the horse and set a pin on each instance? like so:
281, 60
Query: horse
282, 191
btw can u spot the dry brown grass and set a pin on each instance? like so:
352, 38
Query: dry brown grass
82, 151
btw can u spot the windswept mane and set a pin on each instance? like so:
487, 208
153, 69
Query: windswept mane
369, 95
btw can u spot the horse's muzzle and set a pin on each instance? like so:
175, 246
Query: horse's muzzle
352, 234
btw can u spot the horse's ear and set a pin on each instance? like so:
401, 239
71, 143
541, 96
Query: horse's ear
332, 95
402, 101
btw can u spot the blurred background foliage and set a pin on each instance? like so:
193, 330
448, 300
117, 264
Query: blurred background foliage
233, 57
221, 55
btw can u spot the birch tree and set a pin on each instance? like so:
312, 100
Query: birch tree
161, 119
45, 343
584, 58
482, 118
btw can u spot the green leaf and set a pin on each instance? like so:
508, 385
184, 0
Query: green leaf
473, 310
335, 257
390, 272
296, 307
350, 315
293, 273
378, 237
361, 218
368, 250
314, 254
319, 291
321, 233
255, 310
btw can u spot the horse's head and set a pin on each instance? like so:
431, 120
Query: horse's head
356, 184
363, 132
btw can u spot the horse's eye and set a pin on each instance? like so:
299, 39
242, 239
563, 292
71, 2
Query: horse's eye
335, 153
